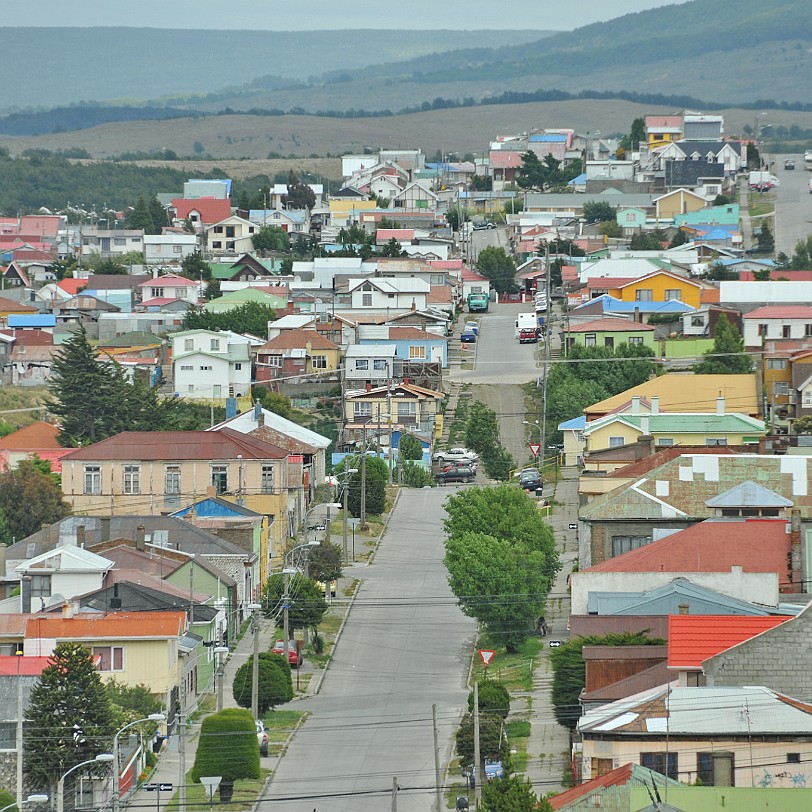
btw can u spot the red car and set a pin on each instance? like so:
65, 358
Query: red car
294, 655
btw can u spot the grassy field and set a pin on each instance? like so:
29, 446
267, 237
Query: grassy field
16, 398
515, 670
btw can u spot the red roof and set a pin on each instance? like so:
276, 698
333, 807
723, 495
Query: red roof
171, 279
10, 306
385, 234
618, 776
114, 626
298, 340
505, 159
606, 282
715, 545
38, 435
780, 312
30, 337
658, 122
450, 264
223, 444
16, 665
694, 638
210, 209
468, 275
611, 325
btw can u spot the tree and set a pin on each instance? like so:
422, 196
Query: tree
648, 240
274, 402
195, 267
599, 211
803, 425
498, 463
491, 742
637, 134
251, 317
306, 604
481, 183
157, 212
274, 686
29, 498
68, 719
324, 562
494, 698
802, 255
497, 266
416, 476
377, 476
231, 731
503, 585
609, 228
409, 447
569, 671
133, 701
512, 793
679, 238
300, 195
481, 428
271, 238
721, 200
393, 249
141, 217
765, 243
727, 355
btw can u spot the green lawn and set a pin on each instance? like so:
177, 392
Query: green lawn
518, 733
246, 793
280, 723
514, 671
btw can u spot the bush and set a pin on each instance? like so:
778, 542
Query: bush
492, 744
275, 682
415, 475
377, 477
494, 699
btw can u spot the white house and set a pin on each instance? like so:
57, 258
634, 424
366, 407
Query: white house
294, 221
371, 364
169, 286
231, 235
279, 191
746, 295
777, 322
415, 196
166, 248
211, 365
389, 294
109, 244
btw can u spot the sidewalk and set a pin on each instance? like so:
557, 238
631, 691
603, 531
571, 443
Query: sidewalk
548, 748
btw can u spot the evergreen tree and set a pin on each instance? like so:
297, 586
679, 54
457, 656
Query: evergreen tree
158, 214
68, 720
727, 356
512, 793
29, 498
499, 267
409, 447
300, 195
274, 686
141, 217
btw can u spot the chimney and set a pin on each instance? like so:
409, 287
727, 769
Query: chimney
211, 492
67, 609
140, 538
655, 404
720, 405
637, 317
80, 536
636, 405
644, 426
683, 608
795, 549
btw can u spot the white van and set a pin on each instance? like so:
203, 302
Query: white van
525, 321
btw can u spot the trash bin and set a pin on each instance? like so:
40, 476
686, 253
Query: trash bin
462, 802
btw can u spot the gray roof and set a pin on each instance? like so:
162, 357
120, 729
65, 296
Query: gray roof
704, 147
138, 598
576, 201
749, 494
688, 173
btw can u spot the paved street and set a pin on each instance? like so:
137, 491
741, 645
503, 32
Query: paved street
793, 204
406, 646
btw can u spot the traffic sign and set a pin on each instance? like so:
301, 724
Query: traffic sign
554, 643
535, 448
150, 787
572, 526
486, 655
164, 787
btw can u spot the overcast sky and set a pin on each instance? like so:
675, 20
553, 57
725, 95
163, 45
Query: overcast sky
286, 15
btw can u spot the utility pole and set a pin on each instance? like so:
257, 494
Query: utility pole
182, 746
362, 525
395, 794
346, 484
547, 339
285, 609
477, 767
255, 667
437, 783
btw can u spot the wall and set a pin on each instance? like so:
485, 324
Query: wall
658, 285
688, 348
722, 799
756, 587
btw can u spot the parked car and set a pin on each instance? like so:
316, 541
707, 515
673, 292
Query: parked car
493, 769
528, 335
294, 655
473, 326
484, 226
458, 464
321, 585
262, 738
462, 473
789, 164
468, 336
530, 480
459, 454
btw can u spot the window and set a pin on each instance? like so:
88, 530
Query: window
630, 217
780, 388
407, 410
119, 241
715, 769
808, 330
188, 344
157, 293
697, 321
230, 245
110, 658
362, 409
214, 345
85, 793
266, 482
217, 391
217, 244
806, 398
218, 229
93, 479
609, 341
390, 295
205, 368
187, 368
644, 295
237, 367
8, 735
778, 363
417, 352
660, 762
590, 340
230, 232
665, 441
132, 479
274, 361
601, 766
635, 339
177, 249
40, 586
380, 364
366, 300
785, 331
361, 363
219, 478
622, 544
673, 293
711, 441
318, 361
762, 329
614, 442
793, 758
172, 480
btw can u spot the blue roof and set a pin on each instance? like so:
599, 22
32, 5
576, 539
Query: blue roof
549, 138
578, 181
577, 423
612, 305
715, 232
34, 320
767, 263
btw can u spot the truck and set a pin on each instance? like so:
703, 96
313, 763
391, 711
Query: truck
525, 324
478, 302
762, 181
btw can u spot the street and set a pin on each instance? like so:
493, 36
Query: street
793, 204
406, 646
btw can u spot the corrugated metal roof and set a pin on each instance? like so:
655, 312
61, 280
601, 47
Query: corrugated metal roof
111, 627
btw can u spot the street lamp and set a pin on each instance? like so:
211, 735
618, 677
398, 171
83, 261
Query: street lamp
31, 799
286, 573
255, 607
219, 651
60, 787
345, 484
153, 717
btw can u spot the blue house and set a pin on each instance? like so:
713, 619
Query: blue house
411, 343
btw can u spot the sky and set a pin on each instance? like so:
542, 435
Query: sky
286, 15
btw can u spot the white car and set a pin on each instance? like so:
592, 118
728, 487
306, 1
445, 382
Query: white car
455, 455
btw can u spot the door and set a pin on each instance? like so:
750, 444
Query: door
437, 355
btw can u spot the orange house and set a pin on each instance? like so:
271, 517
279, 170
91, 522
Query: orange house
659, 286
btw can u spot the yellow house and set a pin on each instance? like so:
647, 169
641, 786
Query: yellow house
134, 648
660, 286
346, 209
296, 352
151, 473
680, 201
662, 130
402, 406
690, 429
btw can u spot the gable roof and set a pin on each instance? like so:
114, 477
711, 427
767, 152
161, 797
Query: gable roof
136, 597
679, 423
611, 326
122, 625
210, 209
694, 638
298, 339
748, 494
715, 545
68, 558
37, 435
115, 281
170, 279
780, 312
224, 444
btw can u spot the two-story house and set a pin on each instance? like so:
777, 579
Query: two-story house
296, 352
391, 294
368, 365
230, 236
111, 243
168, 249
168, 287
411, 343
211, 364
777, 322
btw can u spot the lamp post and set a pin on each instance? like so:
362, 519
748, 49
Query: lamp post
60, 787
287, 572
255, 607
220, 651
153, 717
31, 799
345, 485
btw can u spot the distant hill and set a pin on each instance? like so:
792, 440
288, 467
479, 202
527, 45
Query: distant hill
50, 67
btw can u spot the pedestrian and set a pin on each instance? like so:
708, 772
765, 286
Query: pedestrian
541, 625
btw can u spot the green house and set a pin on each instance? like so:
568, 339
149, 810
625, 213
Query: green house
608, 332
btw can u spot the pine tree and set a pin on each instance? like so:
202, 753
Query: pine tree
69, 719
141, 217
158, 214
727, 356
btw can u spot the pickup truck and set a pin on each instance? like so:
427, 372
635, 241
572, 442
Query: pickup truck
528, 335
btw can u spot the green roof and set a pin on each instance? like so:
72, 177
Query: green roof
684, 423
235, 298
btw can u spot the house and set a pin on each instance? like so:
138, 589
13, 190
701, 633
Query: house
292, 221
157, 472
411, 343
748, 296
31, 365
415, 196
110, 243
389, 408
9, 307
777, 322
211, 364
165, 249
346, 206
661, 130
390, 294
169, 286
720, 736
631, 220
275, 297
679, 201
200, 211
294, 353
659, 286
231, 235
82, 309
608, 332
38, 439
368, 364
